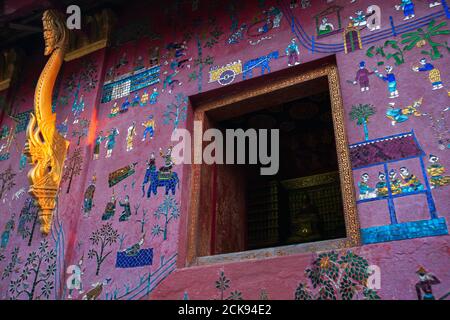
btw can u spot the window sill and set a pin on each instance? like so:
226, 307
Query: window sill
261, 254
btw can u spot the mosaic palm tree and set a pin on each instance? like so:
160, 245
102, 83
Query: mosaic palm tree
413, 39
361, 113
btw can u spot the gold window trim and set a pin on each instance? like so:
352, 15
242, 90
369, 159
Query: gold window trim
352, 225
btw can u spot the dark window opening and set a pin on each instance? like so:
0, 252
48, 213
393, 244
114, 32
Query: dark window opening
302, 203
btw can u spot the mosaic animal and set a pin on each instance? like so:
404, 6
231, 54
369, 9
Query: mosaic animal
96, 290
261, 62
159, 178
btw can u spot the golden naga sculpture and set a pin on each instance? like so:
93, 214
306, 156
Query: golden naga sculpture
45, 148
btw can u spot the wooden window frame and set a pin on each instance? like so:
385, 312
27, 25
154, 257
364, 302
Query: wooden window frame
196, 248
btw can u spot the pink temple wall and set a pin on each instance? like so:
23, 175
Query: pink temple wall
166, 278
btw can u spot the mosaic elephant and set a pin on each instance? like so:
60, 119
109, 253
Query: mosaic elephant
157, 179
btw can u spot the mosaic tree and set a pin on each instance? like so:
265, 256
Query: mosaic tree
122, 238
361, 114
177, 111
82, 131
168, 210
73, 168
204, 39
143, 221
102, 238
421, 36
6, 181
223, 284
28, 214
36, 274
85, 79
335, 276
9, 269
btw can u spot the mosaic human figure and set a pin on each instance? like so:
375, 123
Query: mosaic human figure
397, 115
111, 141
168, 160
436, 171
154, 96
381, 186
63, 128
144, 99
22, 162
149, 128
151, 166
177, 49
139, 63
136, 100
410, 182
276, 14
365, 192
391, 81
293, 53
75, 279
126, 209
154, 57
130, 136
125, 105
97, 143
424, 287
110, 74
395, 182
433, 73
110, 209
360, 19
123, 61
170, 82
325, 26
179, 63
89, 196
114, 110
408, 9
266, 26
77, 108
362, 76
9, 227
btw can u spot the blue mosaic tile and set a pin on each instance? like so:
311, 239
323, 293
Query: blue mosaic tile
135, 82
143, 257
404, 231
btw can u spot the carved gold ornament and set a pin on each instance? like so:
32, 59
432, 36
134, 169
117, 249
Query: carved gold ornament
45, 148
